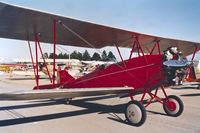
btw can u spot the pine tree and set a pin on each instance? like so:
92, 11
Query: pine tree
86, 56
51, 56
60, 56
74, 55
65, 56
96, 57
111, 56
104, 56
79, 56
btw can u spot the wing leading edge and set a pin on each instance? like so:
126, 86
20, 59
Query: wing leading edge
21, 23
62, 93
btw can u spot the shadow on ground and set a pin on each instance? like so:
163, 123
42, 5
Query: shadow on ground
191, 95
88, 107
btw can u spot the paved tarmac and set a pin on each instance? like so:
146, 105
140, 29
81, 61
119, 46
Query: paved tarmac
103, 114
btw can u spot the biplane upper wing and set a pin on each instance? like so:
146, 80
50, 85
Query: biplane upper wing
21, 23
62, 93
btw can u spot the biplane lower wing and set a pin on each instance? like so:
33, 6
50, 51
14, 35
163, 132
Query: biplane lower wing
62, 93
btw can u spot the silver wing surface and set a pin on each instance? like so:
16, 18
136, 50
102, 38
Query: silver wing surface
22, 23
62, 93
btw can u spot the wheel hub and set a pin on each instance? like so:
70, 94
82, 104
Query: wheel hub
131, 113
171, 105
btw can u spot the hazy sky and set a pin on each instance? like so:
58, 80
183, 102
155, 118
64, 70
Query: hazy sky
178, 19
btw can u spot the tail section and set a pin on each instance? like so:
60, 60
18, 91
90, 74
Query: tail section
64, 77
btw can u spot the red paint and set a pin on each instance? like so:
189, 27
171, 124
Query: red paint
36, 52
153, 49
54, 49
44, 61
158, 45
64, 77
32, 60
134, 43
47, 86
120, 54
195, 50
131, 96
143, 96
143, 74
163, 89
171, 105
139, 46
134, 75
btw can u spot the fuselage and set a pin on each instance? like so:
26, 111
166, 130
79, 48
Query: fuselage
139, 72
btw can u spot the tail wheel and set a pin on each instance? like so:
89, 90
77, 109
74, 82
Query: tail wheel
135, 113
173, 106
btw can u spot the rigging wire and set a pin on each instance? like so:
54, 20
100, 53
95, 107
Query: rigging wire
91, 45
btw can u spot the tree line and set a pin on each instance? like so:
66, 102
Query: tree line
84, 56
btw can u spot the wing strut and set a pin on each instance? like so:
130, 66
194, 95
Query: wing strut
31, 54
120, 54
194, 53
45, 64
132, 50
54, 50
36, 52
35, 65
136, 44
158, 47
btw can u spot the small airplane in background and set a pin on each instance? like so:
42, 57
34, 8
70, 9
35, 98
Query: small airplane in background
29, 70
144, 74
8, 65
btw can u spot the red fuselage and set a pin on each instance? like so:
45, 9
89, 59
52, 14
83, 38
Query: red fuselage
141, 72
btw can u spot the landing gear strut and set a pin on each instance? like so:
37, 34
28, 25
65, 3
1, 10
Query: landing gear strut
67, 100
135, 111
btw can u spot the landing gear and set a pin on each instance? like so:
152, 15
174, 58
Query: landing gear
173, 106
67, 100
135, 113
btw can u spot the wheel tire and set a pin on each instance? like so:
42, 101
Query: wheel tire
173, 106
135, 113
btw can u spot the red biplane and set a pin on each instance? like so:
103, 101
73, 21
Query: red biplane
138, 75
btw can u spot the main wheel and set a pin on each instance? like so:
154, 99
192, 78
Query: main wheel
135, 113
173, 106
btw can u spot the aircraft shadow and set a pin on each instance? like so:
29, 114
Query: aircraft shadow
184, 88
118, 120
88, 108
47, 103
157, 113
191, 95
38, 118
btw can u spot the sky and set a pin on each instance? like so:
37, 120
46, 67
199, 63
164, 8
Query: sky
177, 19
